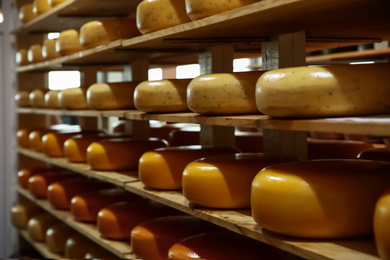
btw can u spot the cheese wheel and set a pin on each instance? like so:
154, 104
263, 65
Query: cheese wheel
41, 7
22, 137
224, 245
35, 139
53, 143
51, 99
154, 15
249, 142
26, 13
34, 54
117, 95
167, 95
335, 149
319, 198
381, 225
223, 93
99, 253
152, 239
22, 98
21, 57
49, 51
120, 153
73, 98
163, 168
224, 181
95, 33
324, 91
37, 98
56, 237
25, 174
22, 213
377, 154
54, 3
117, 220
198, 9
39, 224
38, 183
68, 42
77, 246
85, 207
60, 193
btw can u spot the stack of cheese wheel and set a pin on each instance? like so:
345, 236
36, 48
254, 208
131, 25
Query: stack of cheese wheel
37, 98
154, 15
39, 183
22, 213
41, 7
335, 149
34, 54
51, 99
22, 98
198, 9
21, 57
163, 168
381, 225
378, 154
60, 193
73, 98
54, 3
26, 13
38, 225
56, 237
318, 198
86, 206
120, 153
101, 32
77, 246
119, 95
225, 181
324, 91
117, 220
68, 42
49, 51
159, 96
25, 174
223, 93
152, 239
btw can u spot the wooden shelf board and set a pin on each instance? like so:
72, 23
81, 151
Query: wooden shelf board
59, 112
119, 248
241, 222
40, 246
363, 55
116, 178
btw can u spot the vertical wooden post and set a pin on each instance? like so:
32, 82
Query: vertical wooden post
88, 77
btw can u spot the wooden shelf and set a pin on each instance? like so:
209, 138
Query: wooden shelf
116, 178
382, 55
119, 248
241, 222
40, 246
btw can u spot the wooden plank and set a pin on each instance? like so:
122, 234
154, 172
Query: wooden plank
59, 112
241, 222
351, 56
116, 178
40, 246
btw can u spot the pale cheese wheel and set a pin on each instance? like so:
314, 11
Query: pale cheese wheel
56, 237
38, 183
34, 54
37, 98
120, 153
21, 57
381, 225
26, 13
77, 246
223, 93
51, 99
22, 99
163, 168
53, 143
41, 7
119, 95
324, 91
198, 9
68, 42
167, 95
22, 213
319, 198
49, 51
95, 33
39, 224
225, 181
154, 15
54, 3
73, 98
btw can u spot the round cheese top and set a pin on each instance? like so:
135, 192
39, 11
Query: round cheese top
22, 98
21, 57
68, 42
34, 54
41, 6
51, 99
37, 98
49, 51
26, 13
73, 98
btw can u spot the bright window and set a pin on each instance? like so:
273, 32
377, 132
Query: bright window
187, 71
59, 80
241, 65
155, 74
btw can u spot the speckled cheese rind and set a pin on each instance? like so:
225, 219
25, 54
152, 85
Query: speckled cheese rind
68, 42
118, 95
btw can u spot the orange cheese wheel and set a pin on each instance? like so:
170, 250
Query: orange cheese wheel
120, 153
39, 224
21, 57
152, 239
26, 13
60, 193
51, 99
49, 51
25, 174
117, 220
34, 54
38, 183
224, 181
224, 245
377, 154
77, 246
163, 168
22, 136
54, 3
86, 206
381, 225
41, 6
56, 237
37, 98
99, 253
35, 139
53, 143
22, 213
335, 149
73, 98
154, 15
319, 198
95, 33
68, 42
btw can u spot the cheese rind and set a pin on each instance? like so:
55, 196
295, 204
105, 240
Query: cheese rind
54, 3
119, 95
21, 57
73, 98
37, 98
49, 51
223, 93
34, 54
99, 253
324, 91
381, 225
35, 139
22, 213
22, 99
38, 183
77, 246
39, 224
26, 13
53, 143
41, 7
68, 42
56, 237
51, 99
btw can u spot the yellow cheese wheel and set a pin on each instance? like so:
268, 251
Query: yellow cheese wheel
117, 220
34, 53
224, 181
51, 99
77, 246
223, 93
163, 168
120, 153
68, 42
153, 238
37, 98
25, 174
54, 3
198, 9
101, 32
168, 95
119, 95
324, 91
41, 6
154, 15
38, 183
26, 13
381, 225
22, 98
22, 137
73, 98
39, 224
21, 57
22, 213
56, 237
319, 198
335, 149
49, 51
99, 253
35, 139
53, 143
75, 147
